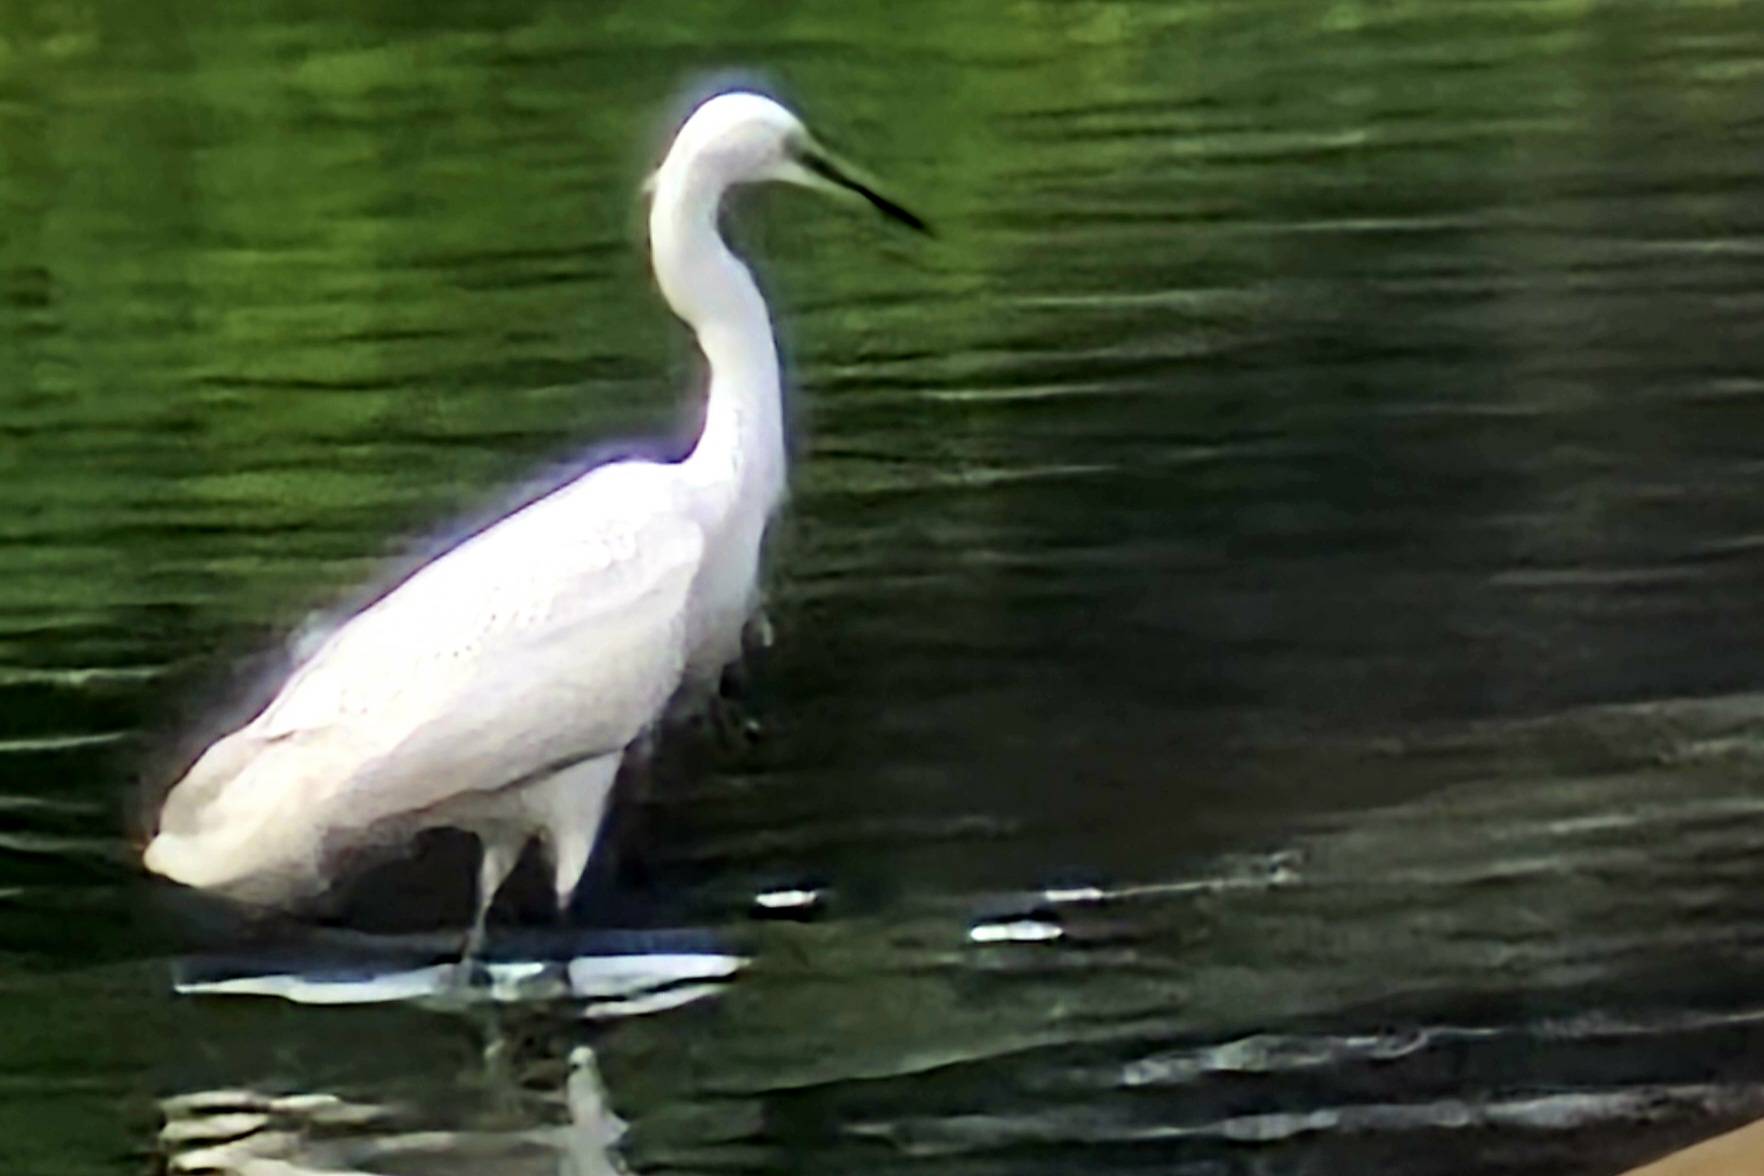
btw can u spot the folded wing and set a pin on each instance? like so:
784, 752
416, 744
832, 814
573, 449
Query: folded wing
554, 636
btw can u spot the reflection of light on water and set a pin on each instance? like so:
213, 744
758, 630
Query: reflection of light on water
1015, 931
247, 1133
376, 989
614, 985
1266, 872
652, 1002
1038, 924
926, 1137
796, 899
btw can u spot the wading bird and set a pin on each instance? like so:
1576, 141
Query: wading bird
497, 688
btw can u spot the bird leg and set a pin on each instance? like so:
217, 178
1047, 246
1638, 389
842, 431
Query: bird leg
501, 854
757, 634
728, 721
569, 805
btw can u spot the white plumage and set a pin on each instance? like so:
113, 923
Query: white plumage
497, 688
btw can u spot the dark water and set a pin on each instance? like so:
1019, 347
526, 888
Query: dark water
1304, 506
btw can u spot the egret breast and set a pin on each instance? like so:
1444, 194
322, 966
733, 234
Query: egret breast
724, 594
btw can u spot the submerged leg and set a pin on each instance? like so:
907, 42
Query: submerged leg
569, 806
501, 854
736, 677
729, 723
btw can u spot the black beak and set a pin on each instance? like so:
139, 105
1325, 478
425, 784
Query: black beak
827, 170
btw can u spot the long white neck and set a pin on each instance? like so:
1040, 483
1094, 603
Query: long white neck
739, 457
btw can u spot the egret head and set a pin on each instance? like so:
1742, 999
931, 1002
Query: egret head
740, 137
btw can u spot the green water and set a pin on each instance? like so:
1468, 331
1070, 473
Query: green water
1307, 490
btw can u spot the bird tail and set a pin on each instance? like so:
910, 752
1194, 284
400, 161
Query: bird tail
244, 821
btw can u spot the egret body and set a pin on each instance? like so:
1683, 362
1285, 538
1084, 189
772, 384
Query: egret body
497, 688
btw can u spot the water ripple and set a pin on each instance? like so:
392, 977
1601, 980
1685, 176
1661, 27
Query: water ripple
1557, 1111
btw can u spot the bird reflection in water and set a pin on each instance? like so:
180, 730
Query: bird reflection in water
534, 1102
569, 1129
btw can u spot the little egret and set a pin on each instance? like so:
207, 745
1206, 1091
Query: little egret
497, 688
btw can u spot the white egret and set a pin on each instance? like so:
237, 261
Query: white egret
497, 688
